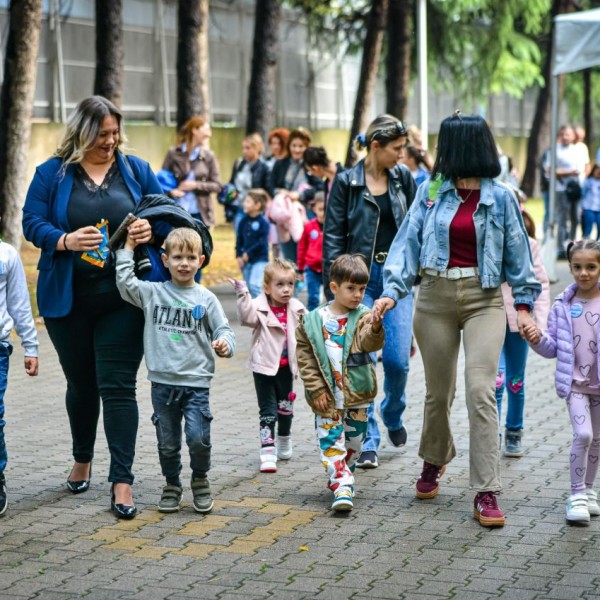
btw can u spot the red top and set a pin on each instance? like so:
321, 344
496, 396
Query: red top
310, 247
463, 241
281, 313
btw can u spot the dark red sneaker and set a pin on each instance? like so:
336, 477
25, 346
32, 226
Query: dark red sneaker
487, 511
428, 484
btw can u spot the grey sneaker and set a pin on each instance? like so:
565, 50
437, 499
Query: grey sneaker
512, 444
170, 501
203, 501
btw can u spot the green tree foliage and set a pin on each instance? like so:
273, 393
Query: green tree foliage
478, 47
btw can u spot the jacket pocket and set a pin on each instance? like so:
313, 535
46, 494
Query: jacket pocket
358, 359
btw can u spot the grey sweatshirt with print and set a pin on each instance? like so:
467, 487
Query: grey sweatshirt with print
181, 323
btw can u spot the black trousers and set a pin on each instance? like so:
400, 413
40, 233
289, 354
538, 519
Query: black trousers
275, 404
100, 347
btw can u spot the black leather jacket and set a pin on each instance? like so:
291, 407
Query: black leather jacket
352, 215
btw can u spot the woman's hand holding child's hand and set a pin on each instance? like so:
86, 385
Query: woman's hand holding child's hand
533, 334
381, 306
221, 347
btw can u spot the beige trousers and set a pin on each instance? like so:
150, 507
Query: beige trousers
444, 309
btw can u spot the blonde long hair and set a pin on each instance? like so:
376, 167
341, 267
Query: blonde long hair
84, 126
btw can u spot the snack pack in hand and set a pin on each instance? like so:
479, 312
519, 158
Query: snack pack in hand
99, 257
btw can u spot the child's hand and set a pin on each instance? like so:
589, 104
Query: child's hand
237, 284
129, 243
381, 306
322, 403
31, 366
299, 276
533, 334
221, 347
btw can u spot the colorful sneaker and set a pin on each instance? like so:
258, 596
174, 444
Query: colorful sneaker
170, 501
592, 498
397, 438
3, 497
577, 509
203, 502
487, 511
342, 499
367, 460
268, 460
428, 484
284, 447
512, 444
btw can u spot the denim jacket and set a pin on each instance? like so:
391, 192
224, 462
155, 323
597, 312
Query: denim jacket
423, 242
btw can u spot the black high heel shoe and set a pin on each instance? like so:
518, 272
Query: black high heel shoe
122, 511
78, 487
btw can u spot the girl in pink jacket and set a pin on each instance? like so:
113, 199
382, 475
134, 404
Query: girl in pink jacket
273, 316
511, 370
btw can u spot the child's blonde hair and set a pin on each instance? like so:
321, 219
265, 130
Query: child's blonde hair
183, 238
277, 264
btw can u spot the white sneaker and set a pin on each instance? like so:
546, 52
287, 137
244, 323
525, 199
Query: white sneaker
268, 460
577, 508
284, 447
342, 499
592, 498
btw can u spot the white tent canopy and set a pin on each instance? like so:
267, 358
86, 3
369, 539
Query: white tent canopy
576, 47
576, 41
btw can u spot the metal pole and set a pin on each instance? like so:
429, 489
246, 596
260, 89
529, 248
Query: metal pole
422, 50
164, 64
60, 70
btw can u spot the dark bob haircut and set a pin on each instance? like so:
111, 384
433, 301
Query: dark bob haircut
351, 268
316, 156
466, 148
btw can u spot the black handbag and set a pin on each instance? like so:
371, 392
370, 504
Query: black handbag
573, 190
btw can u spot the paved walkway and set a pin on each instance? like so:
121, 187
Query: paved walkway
273, 536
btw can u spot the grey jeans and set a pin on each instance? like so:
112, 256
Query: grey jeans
445, 310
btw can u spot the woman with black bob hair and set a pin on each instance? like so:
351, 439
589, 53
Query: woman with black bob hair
465, 236
366, 207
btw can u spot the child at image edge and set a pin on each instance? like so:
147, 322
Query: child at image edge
334, 342
572, 336
184, 323
273, 316
15, 311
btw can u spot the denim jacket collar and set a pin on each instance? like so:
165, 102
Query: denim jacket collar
487, 190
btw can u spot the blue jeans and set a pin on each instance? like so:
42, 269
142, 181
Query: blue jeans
253, 276
171, 403
314, 283
395, 357
5, 352
511, 375
588, 219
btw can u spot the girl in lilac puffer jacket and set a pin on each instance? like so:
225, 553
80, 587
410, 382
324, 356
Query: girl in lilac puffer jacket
572, 337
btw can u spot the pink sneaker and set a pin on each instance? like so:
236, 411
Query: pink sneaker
487, 511
428, 484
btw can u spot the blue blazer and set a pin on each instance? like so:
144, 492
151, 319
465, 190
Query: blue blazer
45, 220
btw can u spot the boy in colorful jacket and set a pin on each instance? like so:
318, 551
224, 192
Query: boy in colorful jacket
333, 346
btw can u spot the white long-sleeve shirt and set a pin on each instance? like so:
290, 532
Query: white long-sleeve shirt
15, 306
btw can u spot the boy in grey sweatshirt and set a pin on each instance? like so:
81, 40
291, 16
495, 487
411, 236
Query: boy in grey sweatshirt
185, 322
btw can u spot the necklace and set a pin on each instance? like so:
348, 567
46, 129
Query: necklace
463, 200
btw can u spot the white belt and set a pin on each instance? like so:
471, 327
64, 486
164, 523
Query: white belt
454, 273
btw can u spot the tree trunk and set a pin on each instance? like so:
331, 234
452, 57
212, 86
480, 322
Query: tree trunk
20, 67
541, 119
109, 50
192, 60
376, 24
397, 80
261, 91
588, 117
